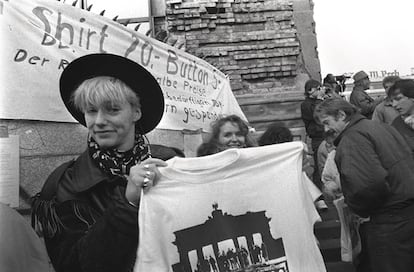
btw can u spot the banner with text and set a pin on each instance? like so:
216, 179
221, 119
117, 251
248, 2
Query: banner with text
39, 39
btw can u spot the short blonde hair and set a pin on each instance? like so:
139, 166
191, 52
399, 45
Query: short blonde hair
101, 90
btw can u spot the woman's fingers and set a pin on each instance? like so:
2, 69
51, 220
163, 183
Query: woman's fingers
146, 173
143, 175
151, 167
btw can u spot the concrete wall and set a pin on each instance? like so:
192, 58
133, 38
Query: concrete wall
43, 146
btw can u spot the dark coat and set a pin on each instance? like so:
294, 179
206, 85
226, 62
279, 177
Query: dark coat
405, 130
87, 223
313, 129
365, 103
376, 167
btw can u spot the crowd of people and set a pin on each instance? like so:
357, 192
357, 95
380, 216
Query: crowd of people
87, 210
370, 164
367, 162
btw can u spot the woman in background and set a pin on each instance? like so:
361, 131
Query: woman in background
227, 132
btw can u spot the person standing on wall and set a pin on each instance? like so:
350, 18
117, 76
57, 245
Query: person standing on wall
360, 98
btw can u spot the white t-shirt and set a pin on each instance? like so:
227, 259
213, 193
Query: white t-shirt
230, 210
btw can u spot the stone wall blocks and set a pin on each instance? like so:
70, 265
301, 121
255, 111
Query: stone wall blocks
172, 2
253, 41
178, 11
190, 5
224, 5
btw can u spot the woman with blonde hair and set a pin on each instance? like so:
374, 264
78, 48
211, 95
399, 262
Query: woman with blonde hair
88, 207
227, 132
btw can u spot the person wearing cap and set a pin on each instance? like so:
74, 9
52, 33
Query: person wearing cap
360, 98
314, 94
377, 180
331, 84
402, 97
87, 209
384, 112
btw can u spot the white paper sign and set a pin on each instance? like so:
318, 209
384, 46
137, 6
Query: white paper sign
39, 38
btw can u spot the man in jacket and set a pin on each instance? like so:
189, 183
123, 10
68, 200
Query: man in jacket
360, 98
377, 177
404, 105
384, 112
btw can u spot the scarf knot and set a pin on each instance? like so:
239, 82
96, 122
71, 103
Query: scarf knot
119, 163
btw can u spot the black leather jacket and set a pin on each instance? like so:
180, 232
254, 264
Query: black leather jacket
87, 223
313, 129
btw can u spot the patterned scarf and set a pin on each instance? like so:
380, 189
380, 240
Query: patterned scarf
115, 162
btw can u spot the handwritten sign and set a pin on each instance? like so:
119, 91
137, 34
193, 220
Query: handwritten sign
40, 38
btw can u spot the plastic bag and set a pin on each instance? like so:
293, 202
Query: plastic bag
350, 238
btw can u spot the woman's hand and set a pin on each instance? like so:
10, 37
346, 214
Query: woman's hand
143, 175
